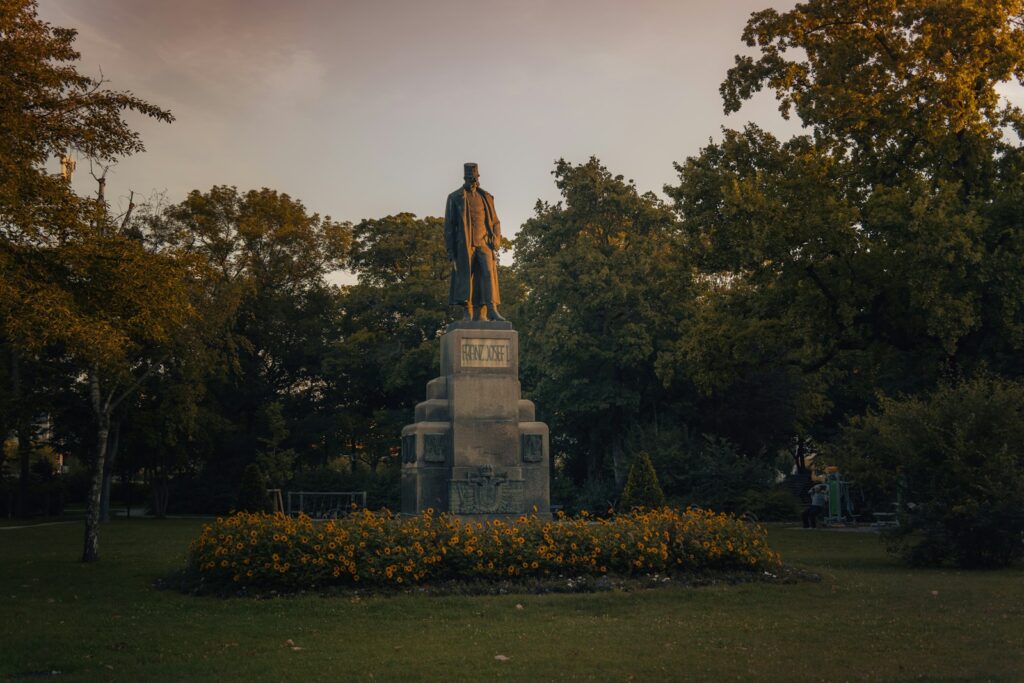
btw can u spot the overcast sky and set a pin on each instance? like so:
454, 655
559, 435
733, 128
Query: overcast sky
367, 108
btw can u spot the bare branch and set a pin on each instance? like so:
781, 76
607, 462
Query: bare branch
101, 179
128, 212
137, 383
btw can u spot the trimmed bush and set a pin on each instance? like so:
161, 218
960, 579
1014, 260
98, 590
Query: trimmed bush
277, 552
252, 495
642, 489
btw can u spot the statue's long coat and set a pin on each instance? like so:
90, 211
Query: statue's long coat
458, 243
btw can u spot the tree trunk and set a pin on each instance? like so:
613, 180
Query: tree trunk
108, 471
618, 463
798, 455
160, 495
594, 457
23, 432
24, 468
91, 549
127, 476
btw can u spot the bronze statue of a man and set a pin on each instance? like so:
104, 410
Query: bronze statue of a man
472, 235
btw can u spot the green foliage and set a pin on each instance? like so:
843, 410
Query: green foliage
75, 284
905, 87
772, 505
884, 245
605, 291
276, 463
69, 277
955, 460
642, 489
256, 388
387, 347
702, 470
252, 494
381, 482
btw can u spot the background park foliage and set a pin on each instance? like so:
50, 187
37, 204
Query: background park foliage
789, 297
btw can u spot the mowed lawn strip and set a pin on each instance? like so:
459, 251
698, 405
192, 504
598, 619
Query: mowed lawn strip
869, 619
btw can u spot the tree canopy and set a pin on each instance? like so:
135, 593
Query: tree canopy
882, 248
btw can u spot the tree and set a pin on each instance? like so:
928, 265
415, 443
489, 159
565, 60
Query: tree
883, 247
391, 320
71, 280
954, 459
260, 391
605, 289
252, 494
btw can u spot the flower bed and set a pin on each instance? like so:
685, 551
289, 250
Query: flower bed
276, 552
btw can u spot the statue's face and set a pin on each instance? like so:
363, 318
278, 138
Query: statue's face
470, 175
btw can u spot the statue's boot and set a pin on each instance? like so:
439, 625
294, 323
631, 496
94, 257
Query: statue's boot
492, 313
468, 315
478, 312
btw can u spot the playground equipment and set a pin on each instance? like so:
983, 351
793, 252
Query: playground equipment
840, 505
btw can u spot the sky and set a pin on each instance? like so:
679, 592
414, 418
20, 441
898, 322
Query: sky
363, 109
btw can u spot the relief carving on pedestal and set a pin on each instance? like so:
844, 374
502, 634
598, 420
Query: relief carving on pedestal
531, 446
435, 448
409, 448
485, 491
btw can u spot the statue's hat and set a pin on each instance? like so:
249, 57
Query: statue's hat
470, 170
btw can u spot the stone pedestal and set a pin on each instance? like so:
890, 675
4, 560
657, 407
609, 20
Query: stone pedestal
476, 448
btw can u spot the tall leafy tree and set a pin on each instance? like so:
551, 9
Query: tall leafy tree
883, 247
605, 290
270, 313
71, 281
391, 321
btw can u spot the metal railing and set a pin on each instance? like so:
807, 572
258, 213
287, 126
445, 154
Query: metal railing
325, 504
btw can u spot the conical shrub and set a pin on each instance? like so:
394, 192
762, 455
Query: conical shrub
642, 489
252, 494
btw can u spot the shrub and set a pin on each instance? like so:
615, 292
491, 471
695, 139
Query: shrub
277, 552
702, 470
642, 489
774, 505
252, 495
955, 461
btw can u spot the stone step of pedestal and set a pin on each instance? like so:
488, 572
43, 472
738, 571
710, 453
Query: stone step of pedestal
433, 410
437, 388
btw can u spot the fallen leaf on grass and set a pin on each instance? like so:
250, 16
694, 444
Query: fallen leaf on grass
502, 658
518, 606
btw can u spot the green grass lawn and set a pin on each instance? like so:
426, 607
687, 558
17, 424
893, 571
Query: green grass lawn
869, 619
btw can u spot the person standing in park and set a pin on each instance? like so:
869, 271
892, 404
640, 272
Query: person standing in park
818, 501
472, 236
